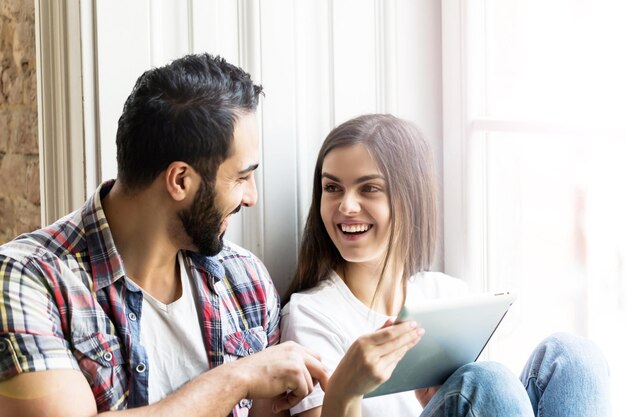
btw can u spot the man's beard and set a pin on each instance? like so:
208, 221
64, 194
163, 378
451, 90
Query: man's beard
202, 221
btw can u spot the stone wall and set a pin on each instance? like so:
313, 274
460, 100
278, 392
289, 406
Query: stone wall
19, 151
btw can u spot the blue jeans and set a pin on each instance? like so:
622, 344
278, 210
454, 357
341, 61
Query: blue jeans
566, 376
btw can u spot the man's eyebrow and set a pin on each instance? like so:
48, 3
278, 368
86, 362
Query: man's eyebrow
359, 180
249, 169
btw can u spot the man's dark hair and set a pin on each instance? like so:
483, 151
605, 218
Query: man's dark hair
185, 111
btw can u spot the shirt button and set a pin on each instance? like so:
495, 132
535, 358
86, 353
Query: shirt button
3, 345
132, 317
250, 351
108, 356
140, 368
244, 403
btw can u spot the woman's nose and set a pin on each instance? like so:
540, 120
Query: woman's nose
349, 204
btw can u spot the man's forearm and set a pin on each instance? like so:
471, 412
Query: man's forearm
264, 375
212, 394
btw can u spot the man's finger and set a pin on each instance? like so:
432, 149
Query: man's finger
285, 402
311, 352
318, 371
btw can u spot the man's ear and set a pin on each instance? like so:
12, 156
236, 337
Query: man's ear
179, 180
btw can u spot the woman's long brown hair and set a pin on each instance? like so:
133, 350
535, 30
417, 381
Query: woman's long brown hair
404, 159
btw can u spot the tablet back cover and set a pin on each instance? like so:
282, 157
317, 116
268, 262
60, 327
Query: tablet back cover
457, 331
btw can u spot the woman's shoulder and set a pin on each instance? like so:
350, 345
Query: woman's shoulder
317, 315
431, 284
325, 294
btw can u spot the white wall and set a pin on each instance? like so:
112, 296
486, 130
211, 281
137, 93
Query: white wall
320, 63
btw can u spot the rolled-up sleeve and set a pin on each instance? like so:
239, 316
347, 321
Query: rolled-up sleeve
30, 329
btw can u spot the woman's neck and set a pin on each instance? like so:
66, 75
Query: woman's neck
363, 278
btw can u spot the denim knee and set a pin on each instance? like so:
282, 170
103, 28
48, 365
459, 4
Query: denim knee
574, 353
490, 380
567, 375
487, 373
481, 389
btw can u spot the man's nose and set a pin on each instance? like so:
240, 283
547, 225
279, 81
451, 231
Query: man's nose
249, 193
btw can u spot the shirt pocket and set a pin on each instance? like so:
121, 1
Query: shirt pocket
245, 342
100, 358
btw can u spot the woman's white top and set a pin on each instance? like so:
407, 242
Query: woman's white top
329, 318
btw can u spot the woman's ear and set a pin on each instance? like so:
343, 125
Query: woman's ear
179, 178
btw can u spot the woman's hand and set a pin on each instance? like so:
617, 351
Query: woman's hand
424, 395
369, 362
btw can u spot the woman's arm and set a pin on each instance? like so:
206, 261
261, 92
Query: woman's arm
313, 412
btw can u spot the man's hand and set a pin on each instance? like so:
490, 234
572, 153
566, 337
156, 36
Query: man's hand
286, 372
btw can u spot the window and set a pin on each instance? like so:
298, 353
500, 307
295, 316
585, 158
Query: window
533, 163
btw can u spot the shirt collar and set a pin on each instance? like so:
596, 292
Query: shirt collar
209, 264
106, 263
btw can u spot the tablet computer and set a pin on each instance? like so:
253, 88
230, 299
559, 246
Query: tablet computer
457, 331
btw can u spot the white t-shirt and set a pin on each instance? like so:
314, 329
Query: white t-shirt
329, 318
172, 337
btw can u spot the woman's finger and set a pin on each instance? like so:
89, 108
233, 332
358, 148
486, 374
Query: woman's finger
385, 334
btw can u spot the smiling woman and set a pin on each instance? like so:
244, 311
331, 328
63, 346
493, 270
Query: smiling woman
388, 187
364, 253
369, 237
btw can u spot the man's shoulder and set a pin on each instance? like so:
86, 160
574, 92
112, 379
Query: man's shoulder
56, 241
234, 251
246, 280
241, 265
234, 257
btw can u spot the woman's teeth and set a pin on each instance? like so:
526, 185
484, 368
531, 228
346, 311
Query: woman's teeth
355, 228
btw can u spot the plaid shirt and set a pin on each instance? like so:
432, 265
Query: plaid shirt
65, 303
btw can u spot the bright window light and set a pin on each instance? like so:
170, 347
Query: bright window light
546, 100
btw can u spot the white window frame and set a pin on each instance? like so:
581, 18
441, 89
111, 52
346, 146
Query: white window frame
455, 120
60, 107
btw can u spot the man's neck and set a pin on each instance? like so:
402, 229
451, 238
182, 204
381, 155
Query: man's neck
142, 238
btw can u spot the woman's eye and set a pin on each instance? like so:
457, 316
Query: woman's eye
370, 189
330, 188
